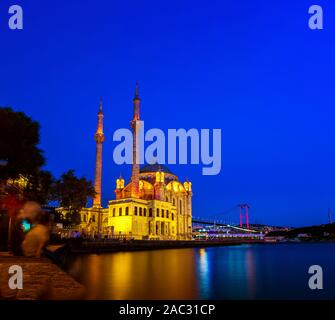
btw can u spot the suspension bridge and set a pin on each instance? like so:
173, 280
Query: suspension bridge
224, 227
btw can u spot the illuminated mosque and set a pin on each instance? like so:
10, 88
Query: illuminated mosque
153, 205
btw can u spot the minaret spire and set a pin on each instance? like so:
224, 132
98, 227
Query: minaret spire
136, 91
137, 102
99, 138
136, 125
100, 105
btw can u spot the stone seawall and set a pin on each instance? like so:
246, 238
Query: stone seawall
41, 280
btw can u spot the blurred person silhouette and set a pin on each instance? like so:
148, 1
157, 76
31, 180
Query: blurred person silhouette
23, 223
37, 237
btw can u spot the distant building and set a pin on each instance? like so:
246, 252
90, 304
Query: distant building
303, 235
153, 205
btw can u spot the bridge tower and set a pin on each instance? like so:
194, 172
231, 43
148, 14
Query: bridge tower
244, 212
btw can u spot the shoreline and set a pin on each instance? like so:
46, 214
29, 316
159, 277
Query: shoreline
145, 245
95, 246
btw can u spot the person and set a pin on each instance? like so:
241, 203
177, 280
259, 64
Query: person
37, 238
23, 222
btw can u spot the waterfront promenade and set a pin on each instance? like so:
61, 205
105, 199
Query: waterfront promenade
41, 280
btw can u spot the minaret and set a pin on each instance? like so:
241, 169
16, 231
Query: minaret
99, 138
135, 125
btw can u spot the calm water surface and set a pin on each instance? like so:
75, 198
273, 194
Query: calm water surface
274, 271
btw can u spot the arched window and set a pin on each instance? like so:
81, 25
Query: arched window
141, 211
150, 212
120, 211
135, 211
113, 212
167, 214
145, 212
157, 212
93, 217
127, 211
172, 216
163, 213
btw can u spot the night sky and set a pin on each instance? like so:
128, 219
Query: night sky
252, 68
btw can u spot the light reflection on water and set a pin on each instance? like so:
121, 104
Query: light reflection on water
236, 272
204, 273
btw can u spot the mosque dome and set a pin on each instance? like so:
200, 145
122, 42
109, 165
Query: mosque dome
154, 168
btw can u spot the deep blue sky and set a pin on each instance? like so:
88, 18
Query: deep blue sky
252, 68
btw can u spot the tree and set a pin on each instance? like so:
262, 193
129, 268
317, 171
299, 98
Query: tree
19, 139
21, 159
39, 187
73, 193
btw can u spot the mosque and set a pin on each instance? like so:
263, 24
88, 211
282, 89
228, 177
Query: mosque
153, 205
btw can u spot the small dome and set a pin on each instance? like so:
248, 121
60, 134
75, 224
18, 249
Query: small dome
154, 168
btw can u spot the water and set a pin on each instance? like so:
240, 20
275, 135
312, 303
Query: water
271, 271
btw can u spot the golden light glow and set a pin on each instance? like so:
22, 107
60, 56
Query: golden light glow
145, 185
20, 182
177, 187
188, 186
119, 183
160, 176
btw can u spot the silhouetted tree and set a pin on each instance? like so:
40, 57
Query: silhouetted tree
21, 159
73, 193
19, 139
39, 187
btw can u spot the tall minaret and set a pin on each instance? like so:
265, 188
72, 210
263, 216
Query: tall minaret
136, 125
99, 138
